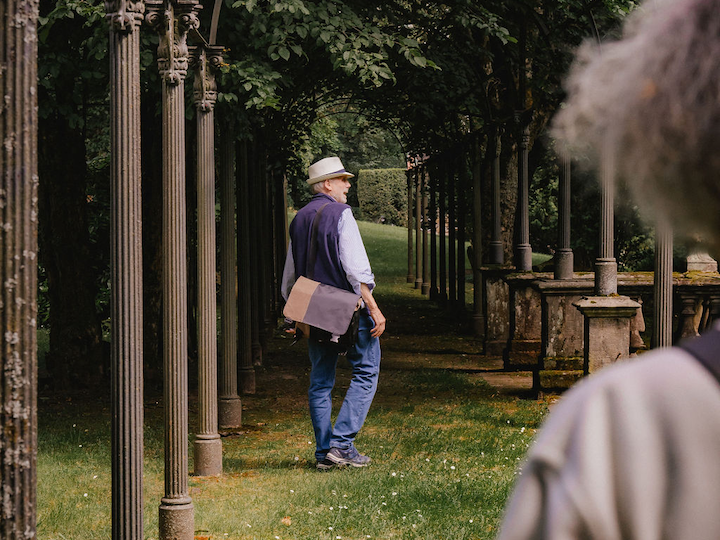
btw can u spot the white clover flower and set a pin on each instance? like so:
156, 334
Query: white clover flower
84, 494
393, 474
452, 467
394, 493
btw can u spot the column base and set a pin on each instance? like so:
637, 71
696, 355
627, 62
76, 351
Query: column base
564, 264
246, 380
496, 253
410, 278
425, 289
208, 455
230, 413
523, 256
177, 519
418, 283
605, 277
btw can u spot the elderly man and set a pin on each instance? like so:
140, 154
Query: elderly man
341, 261
631, 453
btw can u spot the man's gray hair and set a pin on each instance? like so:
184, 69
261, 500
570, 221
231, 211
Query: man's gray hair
317, 187
650, 105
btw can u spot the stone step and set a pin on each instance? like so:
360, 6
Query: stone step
559, 380
563, 363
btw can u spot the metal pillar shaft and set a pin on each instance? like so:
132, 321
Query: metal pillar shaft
410, 210
18, 269
452, 239
425, 225
433, 234
230, 404
663, 308
461, 194
523, 250
564, 254
254, 211
245, 283
477, 238
496, 255
173, 21
442, 253
605, 265
208, 446
126, 309
418, 228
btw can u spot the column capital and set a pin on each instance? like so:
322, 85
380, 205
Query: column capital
172, 20
206, 59
124, 16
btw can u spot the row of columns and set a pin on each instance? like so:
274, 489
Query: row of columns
448, 177
246, 305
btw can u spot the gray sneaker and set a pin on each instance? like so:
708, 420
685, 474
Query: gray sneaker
350, 457
324, 465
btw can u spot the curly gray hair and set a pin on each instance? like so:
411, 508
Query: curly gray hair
650, 104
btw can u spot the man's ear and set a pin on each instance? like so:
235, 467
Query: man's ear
327, 185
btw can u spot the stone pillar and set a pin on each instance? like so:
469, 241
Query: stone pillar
418, 227
208, 446
442, 236
496, 255
125, 18
230, 405
607, 329
663, 286
478, 312
172, 20
18, 269
605, 265
564, 254
245, 356
433, 233
410, 214
425, 226
523, 250
698, 261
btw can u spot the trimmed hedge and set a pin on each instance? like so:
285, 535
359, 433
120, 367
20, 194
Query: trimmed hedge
382, 195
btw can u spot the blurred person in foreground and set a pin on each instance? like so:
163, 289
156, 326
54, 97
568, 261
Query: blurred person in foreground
634, 451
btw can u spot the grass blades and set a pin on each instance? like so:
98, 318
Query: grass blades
446, 446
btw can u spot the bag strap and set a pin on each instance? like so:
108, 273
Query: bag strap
310, 270
706, 349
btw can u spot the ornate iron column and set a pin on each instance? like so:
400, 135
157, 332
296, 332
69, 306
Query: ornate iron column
663, 290
425, 288
497, 255
433, 233
172, 19
461, 195
208, 446
442, 252
452, 235
18, 268
230, 405
478, 313
125, 18
605, 265
564, 254
245, 353
523, 250
418, 226
410, 275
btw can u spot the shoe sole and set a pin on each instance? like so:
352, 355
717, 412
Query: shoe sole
340, 462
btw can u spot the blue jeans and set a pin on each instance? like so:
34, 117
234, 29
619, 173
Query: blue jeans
364, 358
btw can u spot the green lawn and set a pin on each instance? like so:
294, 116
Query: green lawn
445, 445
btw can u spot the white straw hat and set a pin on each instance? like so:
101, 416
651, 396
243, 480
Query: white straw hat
329, 167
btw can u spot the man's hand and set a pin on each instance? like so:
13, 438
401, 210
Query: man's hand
379, 320
374, 310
